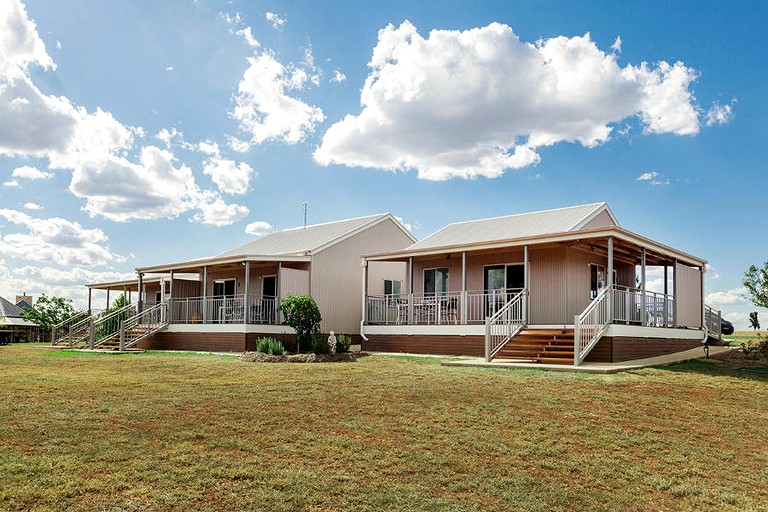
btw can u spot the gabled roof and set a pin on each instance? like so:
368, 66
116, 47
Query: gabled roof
522, 225
22, 304
309, 240
9, 309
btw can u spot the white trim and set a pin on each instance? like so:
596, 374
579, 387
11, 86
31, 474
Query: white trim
195, 264
424, 281
237, 328
638, 331
426, 330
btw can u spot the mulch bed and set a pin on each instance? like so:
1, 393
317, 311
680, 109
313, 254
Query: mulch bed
258, 357
738, 359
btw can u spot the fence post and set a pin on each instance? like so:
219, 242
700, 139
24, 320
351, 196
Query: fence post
122, 335
576, 340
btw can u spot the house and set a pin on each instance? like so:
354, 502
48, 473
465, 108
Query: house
227, 302
13, 327
558, 286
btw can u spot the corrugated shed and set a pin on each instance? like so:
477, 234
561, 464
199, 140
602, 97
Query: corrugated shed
509, 227
298, 241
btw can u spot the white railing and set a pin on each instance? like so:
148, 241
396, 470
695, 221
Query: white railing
449, 308
629, 304
106, 326
589, 326
503, 325
261, 309
142, 325
713, 322
62, 331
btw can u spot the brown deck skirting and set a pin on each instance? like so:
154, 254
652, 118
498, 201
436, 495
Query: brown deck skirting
216, 341
616, 349
447, 345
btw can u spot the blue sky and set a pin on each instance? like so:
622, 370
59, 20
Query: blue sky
138, 133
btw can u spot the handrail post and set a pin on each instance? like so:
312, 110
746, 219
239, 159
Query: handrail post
576, 340
122, 335
70, 335
410, 309
91, 334
487, 339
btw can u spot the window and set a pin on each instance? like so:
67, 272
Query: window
436, 281
392, 287
224, 288
596, 279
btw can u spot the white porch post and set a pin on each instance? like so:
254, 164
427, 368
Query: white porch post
643, 312
140, 291
674, 293
526, 285
90, 294
464, 287
247, 290
170, 302
410, 290
364, 315
703, 305
610, 279
278, 298
205, 294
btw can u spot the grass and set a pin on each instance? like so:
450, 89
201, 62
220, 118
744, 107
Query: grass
739, 337
161, 431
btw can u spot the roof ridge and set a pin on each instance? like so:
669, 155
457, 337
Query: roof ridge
523, 213
330, 222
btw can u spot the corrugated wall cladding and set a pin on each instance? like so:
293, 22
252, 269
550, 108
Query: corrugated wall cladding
602, 220
549, 286
689, 307
181, 288
257, 273
378, 271
294, 282
337, 277
450, 261
477, 262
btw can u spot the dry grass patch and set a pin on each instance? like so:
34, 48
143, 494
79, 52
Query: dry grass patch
163, 431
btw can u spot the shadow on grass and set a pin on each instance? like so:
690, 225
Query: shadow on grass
712, 368
82, 354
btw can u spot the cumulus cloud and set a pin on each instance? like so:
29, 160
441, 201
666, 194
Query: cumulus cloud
230, 177
274, 19
727, 298
476, 102
264, 107
11, 184
719, 114
338, 77
258, 228
247, 36
219, 213
653, 178
53, 240
27, 172
647, 176
32, 206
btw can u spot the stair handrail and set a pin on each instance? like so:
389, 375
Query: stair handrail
504, 325
154, 319
591, 325
712, 323
61, 330
110, 323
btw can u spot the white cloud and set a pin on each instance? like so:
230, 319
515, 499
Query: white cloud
218, 213
405, 224
258, 228
209, 148
231, 178
647, 176
274, 19
727, 298
263, 106
32, 206
170, 68
616, 46
54, 240
11, 184
476, 102
27, 172
58, 44
338, 77
167, 136
247, 36
720, 114
20, 45
711, 272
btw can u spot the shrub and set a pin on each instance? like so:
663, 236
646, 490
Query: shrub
755, 349
343, 343
301, 313
319, 345
270, 346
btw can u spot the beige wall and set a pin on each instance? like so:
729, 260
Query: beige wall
257, 273
337, 278
601, 221
688, 299
378, 271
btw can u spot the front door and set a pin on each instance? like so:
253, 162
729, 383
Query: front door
501, 283
268, 300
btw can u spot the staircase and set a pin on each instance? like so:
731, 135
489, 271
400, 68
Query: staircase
137, 327
539, 345
133, 335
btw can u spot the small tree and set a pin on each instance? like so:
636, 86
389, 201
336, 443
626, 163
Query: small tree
49, 311
301, 313
753, 321
756, 283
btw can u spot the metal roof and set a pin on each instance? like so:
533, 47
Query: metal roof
523, 225
305, 240
8, 309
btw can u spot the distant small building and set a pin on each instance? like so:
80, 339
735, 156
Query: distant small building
14, 328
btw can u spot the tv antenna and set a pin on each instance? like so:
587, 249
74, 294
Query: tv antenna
304, 208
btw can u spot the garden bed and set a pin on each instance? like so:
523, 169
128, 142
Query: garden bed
259, 357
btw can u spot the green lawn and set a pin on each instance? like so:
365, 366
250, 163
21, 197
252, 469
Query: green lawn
739, 337
162, 431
